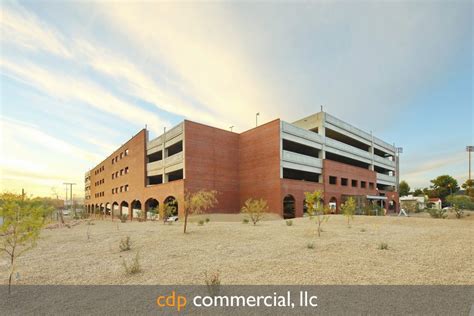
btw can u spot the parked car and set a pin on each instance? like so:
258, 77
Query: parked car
66, 212
172, 219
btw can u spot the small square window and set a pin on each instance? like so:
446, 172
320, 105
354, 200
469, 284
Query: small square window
363, 184
332, 180
354, 183
344, 181
371, 185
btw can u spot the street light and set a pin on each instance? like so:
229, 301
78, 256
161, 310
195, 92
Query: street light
256, 118
398, 151
231, 127
469, 149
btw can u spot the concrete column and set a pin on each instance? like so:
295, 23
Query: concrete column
322, 132
372, 151
164, 155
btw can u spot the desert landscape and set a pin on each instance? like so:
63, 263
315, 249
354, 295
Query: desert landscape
420, 250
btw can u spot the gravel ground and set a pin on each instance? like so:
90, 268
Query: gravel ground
420, 251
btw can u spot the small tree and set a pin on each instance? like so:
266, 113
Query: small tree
348, 209
22, 223
255, 209
404, 188
198, 203
167, 210
315, 206
458, 211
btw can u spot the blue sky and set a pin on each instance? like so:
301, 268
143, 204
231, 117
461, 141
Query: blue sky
80, 78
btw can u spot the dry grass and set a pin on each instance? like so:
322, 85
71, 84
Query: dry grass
421, 251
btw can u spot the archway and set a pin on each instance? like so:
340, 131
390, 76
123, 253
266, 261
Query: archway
392, 206
102, 209
116, 209
172, 203
333, 204
96, 210
288, 207
152, 208
136, 207
108, 209
124, 209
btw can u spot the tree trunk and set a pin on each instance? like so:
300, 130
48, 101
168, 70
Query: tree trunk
185, 220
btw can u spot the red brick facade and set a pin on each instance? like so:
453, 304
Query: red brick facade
238, 166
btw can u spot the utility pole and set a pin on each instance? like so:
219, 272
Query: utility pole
470, 149
256, 118
70, 187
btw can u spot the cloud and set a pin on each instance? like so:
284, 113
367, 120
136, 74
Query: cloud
66, 88
20, 27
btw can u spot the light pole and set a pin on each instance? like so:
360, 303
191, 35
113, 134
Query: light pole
398, 151
256, 118
70, 186
231, 127
469, 149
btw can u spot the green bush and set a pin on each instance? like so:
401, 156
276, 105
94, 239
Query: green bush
207, 219
462, 201
310, 245
201, 222
289, 222
436, 213
245, 221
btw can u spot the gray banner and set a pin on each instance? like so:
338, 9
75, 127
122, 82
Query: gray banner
236, 300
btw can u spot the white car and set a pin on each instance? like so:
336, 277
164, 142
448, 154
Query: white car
172, 219
66, 212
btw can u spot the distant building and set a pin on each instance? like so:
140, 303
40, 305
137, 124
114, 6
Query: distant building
434, 203
412, 203
277, 161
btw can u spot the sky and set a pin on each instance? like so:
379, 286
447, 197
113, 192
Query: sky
78, 79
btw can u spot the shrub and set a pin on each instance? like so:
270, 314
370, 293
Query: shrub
362, 230
315, 206
463, 201
125, 244
459, 212
201, 223
207, 219
197, 203
289, 222
134, 266
213, 283
383, 246
255, 209
310, 245
123, 218
245, 221
437, 213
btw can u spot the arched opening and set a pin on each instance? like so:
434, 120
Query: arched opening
116, 209
288, 206
151, 208
333, 204
96, 209
124, 209
108, 209
392, 206
171, 203
102, 209
136, 207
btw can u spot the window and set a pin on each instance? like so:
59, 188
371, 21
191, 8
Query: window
354, 183
121, 188
113, 175
371, 185
363, 184
121, 155
126, 188
126, 152
113, 191
121, 171
344, 181
126, 170
332, 180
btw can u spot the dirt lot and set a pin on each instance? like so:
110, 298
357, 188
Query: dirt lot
420, 251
